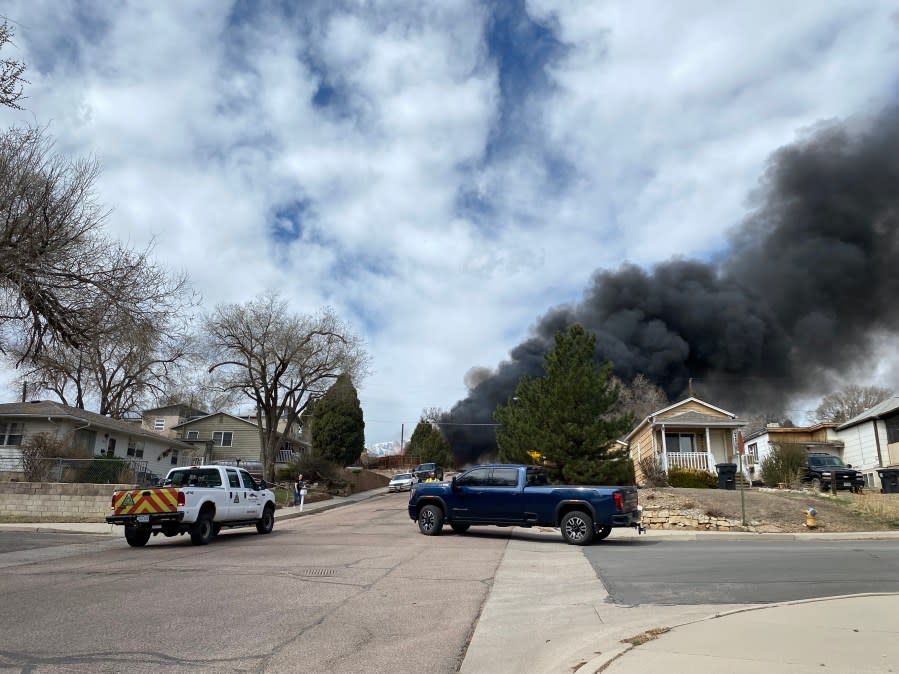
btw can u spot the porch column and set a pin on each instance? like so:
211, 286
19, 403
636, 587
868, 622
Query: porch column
708, 451
664, 451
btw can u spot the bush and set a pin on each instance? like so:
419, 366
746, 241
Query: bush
106, 470
783, 465
40, 453
317, 468
653, 472
692, 478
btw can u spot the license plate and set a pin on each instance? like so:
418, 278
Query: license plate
143, 518
847, 484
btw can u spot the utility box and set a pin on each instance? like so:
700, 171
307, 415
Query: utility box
889, 480
727, 475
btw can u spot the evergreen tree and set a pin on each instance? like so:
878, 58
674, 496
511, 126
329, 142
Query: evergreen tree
429, 444
338, 427
568, 416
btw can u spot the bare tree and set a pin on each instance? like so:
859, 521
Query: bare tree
280, 361
843, 405
62, 280
641, 397
118, 372
11, 72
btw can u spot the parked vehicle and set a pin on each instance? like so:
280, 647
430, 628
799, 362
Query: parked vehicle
428, 471
516, 495
823, 470
198, 500
401, 482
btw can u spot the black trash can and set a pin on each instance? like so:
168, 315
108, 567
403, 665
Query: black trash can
727, 475
889, 480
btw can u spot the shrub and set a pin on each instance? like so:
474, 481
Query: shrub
40, 453
692, 478
653, 472
783, 465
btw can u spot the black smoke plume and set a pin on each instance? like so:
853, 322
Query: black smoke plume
809, 285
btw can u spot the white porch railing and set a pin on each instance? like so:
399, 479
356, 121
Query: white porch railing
695, 460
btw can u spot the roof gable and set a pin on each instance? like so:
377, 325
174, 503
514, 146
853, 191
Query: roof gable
689, 411
215, 414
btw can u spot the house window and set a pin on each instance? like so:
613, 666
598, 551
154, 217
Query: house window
134, 450
174, 458
159, 424
221, 438
193, 435
10, 435
752, 454
680, 442
110, 447
892, 425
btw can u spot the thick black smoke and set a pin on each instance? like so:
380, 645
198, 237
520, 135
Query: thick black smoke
809, 285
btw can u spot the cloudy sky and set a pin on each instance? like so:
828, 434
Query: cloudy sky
439, 173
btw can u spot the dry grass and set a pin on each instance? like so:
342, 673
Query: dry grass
882, 506
646, 636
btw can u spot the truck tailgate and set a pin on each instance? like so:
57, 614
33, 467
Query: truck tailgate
146, 501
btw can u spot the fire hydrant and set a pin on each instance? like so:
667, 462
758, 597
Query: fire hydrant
811, 518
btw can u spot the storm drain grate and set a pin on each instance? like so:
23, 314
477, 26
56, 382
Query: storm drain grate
319, 572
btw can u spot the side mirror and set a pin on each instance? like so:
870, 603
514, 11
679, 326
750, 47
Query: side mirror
848, 465
263, 484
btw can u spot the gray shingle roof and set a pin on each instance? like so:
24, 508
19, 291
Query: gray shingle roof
48, 408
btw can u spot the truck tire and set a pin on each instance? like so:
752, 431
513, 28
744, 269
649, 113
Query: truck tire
460, 528
816, 484
137, 537
201, 531
430, 520
603, 533
577, 528
216, 529
266, 523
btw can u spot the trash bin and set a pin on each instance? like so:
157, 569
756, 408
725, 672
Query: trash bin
889, 480
727, 475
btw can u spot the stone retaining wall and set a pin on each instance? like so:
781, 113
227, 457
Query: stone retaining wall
664, 518
55, 501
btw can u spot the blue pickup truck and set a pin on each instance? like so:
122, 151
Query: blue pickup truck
513, 495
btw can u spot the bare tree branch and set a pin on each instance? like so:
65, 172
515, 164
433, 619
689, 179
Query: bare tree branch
11, 72
280, 361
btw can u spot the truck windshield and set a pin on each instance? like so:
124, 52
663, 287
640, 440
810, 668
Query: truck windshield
825, 462
195, 477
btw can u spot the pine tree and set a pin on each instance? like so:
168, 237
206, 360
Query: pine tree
429, 444
338, 427
568, 416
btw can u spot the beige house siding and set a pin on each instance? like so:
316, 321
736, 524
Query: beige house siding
245, 443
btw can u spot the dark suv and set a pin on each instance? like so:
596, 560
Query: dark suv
822, 470
426, 471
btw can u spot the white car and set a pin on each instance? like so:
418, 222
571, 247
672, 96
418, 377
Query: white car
401, 482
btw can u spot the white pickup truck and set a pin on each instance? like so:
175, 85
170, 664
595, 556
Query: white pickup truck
199, 500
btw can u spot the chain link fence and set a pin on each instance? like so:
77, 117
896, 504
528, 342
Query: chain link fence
96, 470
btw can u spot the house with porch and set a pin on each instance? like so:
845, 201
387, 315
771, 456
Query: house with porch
225, 438
688, 434
820, 437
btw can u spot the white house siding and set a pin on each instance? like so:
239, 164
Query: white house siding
860, 448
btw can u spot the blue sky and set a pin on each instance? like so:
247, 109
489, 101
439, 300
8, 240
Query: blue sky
439, 173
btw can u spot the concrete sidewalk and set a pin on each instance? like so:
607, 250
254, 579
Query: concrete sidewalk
844, 634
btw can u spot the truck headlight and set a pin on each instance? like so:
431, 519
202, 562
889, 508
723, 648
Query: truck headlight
825, 474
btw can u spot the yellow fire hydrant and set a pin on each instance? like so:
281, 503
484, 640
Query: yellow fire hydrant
811, 518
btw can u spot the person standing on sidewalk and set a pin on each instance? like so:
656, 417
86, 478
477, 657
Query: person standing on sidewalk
298, 486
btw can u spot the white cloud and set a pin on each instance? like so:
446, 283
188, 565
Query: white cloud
659, 120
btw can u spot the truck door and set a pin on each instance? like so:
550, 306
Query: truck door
505, 502
252, 505
470, 499
236, 496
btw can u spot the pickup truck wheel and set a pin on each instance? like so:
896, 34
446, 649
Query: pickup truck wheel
216, 529
603, 533
201, 531
137, 537
430, 520
266, 523
460, 528
577, 528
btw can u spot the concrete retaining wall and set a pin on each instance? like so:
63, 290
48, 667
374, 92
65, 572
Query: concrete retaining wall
55, 501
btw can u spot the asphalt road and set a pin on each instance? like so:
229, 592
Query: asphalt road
354, 589
637, 572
